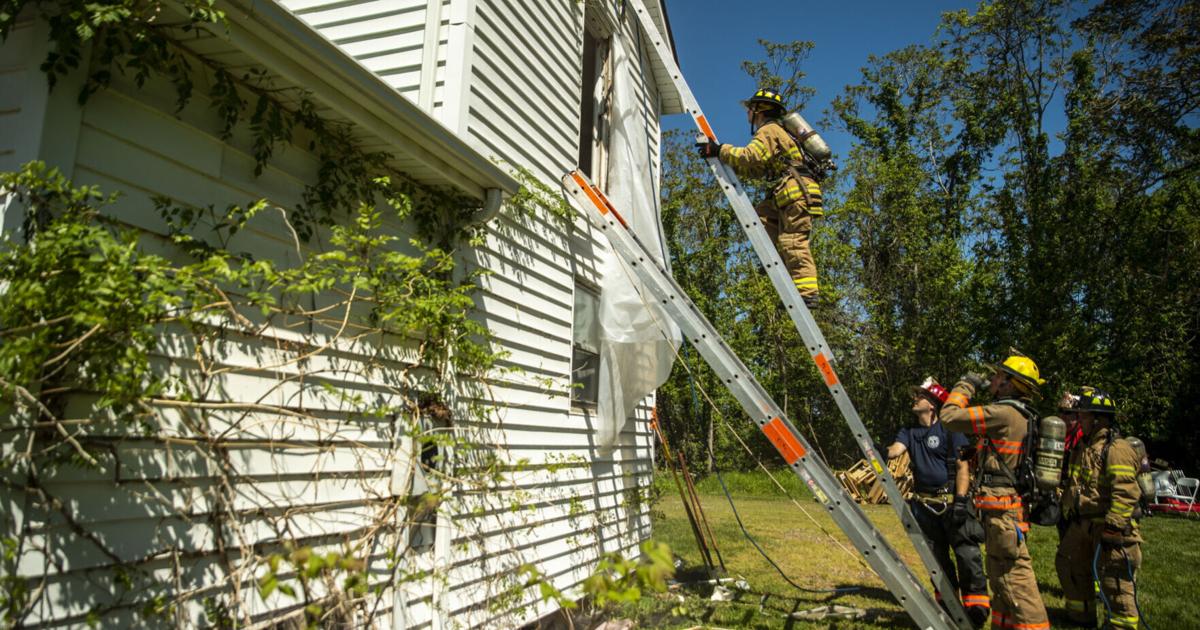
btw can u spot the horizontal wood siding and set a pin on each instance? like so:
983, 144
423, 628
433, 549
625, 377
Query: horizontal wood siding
152, 507
387, 36
565, 505
16, 65
524, 108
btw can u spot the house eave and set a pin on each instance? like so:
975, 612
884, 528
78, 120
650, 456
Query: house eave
288, 47
670, 100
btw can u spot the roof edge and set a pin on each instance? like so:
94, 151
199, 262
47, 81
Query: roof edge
292, 48
670, 97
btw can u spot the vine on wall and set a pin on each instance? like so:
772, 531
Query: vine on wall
87, 313
95, 325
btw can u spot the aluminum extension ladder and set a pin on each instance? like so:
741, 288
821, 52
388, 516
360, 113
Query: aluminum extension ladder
761, 409
814, 340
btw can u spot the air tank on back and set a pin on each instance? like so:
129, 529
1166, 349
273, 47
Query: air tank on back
1145, 480
1048, 463
809, 140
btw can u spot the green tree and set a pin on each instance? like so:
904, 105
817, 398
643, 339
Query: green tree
904, 211
967, 218
716, 265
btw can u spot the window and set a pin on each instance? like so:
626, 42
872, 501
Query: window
595, 100
585, 347
425, 491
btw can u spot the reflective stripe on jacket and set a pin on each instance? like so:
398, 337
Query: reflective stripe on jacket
770, 155
1003, 424
1100, 490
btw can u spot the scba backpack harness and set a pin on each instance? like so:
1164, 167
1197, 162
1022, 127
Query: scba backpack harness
1043, 506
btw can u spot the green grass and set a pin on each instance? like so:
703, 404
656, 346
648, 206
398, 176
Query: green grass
1167, 581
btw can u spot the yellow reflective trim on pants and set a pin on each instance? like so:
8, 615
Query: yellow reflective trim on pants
1123, 622
1076, 605
807, 283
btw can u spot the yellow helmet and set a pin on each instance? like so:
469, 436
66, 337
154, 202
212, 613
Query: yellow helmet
1024, 372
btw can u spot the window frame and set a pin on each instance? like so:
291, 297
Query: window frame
596, 90
585, 394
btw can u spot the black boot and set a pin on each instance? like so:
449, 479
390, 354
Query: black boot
978, 615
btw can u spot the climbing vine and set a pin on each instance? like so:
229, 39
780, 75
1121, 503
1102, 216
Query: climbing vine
357, 350
89, 314
145, 39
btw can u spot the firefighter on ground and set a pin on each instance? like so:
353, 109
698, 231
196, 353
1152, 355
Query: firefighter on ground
999, 430
1100, 504
941, 482
794, 198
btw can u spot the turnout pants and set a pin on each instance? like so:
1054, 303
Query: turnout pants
790, 228
1079, 567
1016, 601
943, 533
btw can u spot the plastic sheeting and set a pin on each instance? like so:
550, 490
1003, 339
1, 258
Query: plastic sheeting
638, 341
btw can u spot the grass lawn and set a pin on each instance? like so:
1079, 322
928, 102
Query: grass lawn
1167, 583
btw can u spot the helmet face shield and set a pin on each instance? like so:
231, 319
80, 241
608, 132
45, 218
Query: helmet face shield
932, 391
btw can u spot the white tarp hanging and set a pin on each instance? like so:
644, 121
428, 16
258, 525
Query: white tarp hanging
635, 356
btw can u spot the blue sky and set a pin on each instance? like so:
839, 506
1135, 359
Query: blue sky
713, 37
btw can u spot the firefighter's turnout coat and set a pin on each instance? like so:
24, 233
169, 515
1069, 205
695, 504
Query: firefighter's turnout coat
999, 430
794, 199
1100, 491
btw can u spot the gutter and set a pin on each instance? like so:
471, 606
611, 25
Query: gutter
299, 54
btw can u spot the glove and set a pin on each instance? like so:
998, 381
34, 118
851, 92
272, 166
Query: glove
960, 510
708, 149
975, 379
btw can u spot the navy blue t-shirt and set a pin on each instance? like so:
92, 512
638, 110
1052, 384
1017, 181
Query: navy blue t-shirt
932, 452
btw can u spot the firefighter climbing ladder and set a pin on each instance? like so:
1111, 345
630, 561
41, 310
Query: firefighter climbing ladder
767, 415
803, 320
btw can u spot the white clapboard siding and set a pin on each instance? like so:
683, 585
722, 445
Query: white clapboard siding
402, 41
19, 59
510, 86
523, 108
523, 101
159, 500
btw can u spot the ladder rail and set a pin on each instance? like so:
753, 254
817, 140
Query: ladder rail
759, 406
805, 324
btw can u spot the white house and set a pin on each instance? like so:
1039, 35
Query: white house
461, 94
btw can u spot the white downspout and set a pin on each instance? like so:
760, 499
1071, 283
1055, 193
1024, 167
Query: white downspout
493, 199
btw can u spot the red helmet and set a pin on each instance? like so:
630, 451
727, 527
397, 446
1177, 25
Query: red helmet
932, 390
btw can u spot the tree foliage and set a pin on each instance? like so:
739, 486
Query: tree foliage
1027, 179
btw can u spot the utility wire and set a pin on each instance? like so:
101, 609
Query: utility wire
738, 517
